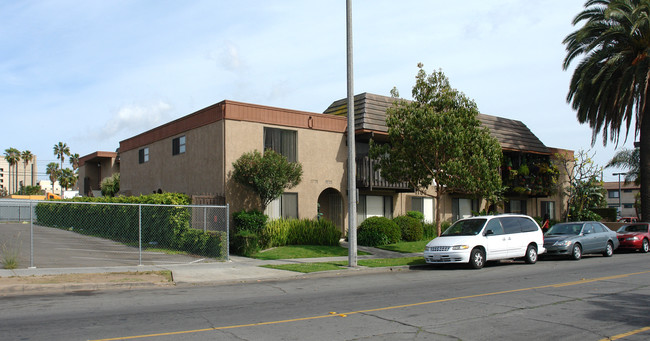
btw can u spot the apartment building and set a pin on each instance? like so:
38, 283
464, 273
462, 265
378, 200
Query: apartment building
622, 197
194, 155
21, 174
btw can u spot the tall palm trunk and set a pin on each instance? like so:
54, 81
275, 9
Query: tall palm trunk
644, 151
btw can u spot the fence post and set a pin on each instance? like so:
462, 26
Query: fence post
227, 232
139, 234
31, 235
205, 219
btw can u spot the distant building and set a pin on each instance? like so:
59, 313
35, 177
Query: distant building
11, 181
46, 185
623, 198
93, 168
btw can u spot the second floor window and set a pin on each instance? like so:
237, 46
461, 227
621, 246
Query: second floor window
613, 194
282, 142
178, 145
143, 155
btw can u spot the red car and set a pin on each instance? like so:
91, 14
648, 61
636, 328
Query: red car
634, 236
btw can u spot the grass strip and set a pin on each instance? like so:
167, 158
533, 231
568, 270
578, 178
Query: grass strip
338, 265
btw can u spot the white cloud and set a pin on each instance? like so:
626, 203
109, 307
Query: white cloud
135, 118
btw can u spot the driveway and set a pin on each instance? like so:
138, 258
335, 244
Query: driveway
56, 248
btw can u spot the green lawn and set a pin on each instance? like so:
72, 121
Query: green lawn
303, 251
406, 247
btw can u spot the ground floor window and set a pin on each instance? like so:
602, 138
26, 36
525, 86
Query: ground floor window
548, 207
424, 206
286, 206
516, 206
462, 208
374, 206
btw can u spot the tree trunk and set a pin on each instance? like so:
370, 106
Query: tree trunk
644, 151
437, 198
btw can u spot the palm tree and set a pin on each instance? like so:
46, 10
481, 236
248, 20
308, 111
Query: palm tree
52, 170
67, 178
60, 150
27, 157
627, 159
12, 155
74, 161
609, 87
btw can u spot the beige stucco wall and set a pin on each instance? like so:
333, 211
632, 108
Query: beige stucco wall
322, 156
197, 171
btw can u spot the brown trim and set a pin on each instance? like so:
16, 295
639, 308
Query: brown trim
97, 154
237, 111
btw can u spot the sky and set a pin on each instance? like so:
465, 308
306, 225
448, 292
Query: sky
93, 73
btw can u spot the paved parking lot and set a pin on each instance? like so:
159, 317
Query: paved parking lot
56, 248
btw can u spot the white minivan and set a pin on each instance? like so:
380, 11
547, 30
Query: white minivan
479, 239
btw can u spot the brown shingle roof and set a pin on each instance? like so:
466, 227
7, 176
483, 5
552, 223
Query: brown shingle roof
370, 115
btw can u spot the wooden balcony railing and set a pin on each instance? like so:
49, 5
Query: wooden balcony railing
368, 178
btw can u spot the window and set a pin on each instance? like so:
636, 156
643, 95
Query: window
374, 206
628, 205
627, 191
282, 142
178, 145
516, 206
495, 226
286, 206
425, 206
510, 225
463, 208
613, 193
143, 155
548, 207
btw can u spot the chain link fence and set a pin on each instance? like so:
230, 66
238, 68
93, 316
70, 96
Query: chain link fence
56, 234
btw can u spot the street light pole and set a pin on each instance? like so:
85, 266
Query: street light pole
352, 178
620, 208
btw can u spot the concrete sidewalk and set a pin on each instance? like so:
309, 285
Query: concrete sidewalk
236, 270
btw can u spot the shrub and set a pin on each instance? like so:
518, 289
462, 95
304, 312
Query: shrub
416, 214
429, 231
410, 227
245, 243
253, 221
282, 232
376, 231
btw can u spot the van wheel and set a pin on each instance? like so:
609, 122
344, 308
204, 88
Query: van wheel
609, 250
576, 252
531, 255
477, 259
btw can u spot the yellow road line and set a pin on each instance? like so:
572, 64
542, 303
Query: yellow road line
620, 336
559, 285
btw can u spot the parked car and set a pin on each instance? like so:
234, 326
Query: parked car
634, 237
479, 239
575, 239
628, 220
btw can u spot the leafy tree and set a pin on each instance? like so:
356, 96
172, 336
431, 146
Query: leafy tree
12, 155
52, 171
627, 159
60, 151
110, 186
610, 86
74, 161
267, 175
582, 188
437, 140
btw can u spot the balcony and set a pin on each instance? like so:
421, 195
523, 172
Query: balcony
370, 179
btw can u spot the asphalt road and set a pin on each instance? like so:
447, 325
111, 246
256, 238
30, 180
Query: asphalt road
591, 299
57, 248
